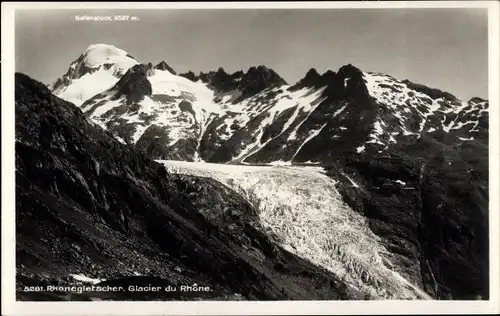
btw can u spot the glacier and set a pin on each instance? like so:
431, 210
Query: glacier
302, 208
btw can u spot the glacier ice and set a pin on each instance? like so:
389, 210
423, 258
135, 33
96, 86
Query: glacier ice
303, 208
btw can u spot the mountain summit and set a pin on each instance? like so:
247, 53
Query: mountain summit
164, 66
99, 67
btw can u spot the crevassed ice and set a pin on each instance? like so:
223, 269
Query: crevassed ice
305, 210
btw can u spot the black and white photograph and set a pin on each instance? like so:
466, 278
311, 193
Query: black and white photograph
252, 154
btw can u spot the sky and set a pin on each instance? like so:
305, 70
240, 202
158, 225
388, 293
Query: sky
441, 48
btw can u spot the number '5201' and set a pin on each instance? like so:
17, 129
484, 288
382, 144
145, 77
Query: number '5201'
33, 289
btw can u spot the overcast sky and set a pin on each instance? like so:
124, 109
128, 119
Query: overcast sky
443, 48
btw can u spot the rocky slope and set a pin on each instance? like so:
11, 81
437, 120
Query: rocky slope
429, 203
92, 209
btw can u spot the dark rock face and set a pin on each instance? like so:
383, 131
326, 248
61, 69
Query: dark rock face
392, 211
154, 142
164, 66
190, 75
134, 84
346, 83
220, 80
236, 143
314, 79
429, 203
132, 88
310, 80
257, 79
86, 204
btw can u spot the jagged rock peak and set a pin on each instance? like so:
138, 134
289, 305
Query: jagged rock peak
134, 83
267, 75
207, 76
314, 79
221, 70
164, 66
328, 74
312, 73
220, 73
349, 71
190, 75
310, 80
257, 79
346, 82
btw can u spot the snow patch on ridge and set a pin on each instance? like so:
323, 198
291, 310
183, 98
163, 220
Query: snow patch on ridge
82, 278
87, 86
312, 134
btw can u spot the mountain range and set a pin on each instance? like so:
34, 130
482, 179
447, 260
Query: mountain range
255, 116
99, 195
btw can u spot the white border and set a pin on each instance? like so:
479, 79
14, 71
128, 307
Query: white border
255, 5
11, 307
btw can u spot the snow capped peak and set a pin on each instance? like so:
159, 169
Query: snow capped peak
102, 46
99, 54
97, 69
104, 50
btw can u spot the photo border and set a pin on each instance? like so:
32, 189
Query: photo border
12, 307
